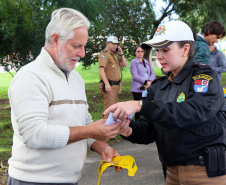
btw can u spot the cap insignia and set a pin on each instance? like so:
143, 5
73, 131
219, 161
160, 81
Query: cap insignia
161, 30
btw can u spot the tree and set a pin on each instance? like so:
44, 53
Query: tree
135, 21
126, 19
132, 21
22, 31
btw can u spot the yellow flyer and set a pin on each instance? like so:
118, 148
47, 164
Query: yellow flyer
126, 161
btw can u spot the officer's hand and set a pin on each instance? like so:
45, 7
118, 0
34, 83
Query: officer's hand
120, 50
125, 129
102, 132
108, 88
123, 110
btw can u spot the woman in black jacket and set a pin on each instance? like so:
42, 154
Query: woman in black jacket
184, 112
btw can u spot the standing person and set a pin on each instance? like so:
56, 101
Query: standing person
217, 61
210, 34
49, 110
142, 75
184, 112
110, 60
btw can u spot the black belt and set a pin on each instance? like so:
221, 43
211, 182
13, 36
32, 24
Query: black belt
112, 82
195, 161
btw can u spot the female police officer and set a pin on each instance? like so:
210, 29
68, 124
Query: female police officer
184, 112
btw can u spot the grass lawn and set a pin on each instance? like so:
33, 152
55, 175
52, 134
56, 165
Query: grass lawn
91, 79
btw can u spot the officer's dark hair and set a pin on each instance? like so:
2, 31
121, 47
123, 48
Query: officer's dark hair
191, 43
213, 28
136, 47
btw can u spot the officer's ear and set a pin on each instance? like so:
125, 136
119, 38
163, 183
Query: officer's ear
186, 49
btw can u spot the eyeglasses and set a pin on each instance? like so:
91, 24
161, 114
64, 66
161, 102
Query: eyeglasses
140, 51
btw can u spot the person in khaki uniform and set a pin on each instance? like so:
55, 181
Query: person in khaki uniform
110, 60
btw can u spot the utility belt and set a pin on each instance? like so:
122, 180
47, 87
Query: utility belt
213, 159
110, 82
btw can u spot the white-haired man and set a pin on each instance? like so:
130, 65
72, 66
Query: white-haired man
49, 110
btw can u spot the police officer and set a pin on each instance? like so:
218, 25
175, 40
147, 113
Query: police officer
110, 60
184, 112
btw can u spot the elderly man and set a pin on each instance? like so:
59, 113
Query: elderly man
49, 110
110, 60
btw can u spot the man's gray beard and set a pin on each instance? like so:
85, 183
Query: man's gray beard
63, 63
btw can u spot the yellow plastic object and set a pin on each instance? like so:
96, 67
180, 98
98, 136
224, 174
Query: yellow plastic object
126, 161
224, 91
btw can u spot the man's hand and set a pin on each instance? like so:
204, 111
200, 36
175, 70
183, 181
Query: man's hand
106, 151
102, 132
108, 154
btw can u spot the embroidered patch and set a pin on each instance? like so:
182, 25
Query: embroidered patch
201, 85
161, 30
200, 76
102, 56
201, 82
181, 97
201, 88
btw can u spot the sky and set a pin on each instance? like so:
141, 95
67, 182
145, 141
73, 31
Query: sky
158, 4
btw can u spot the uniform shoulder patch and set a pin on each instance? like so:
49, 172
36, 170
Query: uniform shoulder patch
105, 51
201, 82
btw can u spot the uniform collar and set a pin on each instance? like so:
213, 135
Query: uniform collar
109, 51
179, 78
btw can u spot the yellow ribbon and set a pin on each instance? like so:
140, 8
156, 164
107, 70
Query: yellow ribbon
126, 161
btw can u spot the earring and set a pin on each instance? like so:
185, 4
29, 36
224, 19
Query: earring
183, 55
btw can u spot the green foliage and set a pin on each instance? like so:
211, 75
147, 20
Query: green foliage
126, 19
198, 12
22, 31
23, 23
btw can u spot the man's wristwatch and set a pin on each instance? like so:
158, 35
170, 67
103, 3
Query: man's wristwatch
140, 103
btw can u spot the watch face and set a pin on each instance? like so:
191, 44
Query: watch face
140, 103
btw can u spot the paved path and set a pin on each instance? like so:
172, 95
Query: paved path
149, 168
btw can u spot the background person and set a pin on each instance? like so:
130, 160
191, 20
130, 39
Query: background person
217, 60
184, 112
110, 61
210, 34
142, 75
49, 109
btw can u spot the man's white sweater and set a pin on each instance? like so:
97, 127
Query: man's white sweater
44, 104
